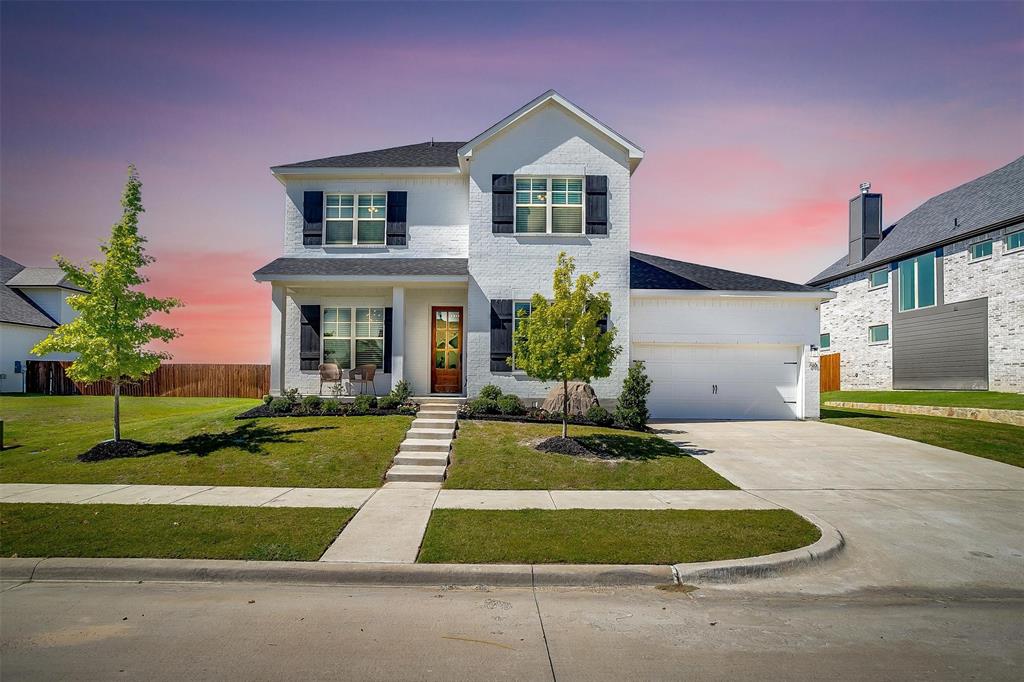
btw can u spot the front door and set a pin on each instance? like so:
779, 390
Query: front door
446, 350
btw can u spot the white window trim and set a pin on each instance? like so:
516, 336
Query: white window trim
352, 338
515, 323
355, 220
872, 287
916, 287
888, 334
970, 251
547, 218
1006, 243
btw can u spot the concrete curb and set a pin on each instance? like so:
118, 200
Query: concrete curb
828, 545
340, 573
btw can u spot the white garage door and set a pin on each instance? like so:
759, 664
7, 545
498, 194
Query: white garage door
705, 381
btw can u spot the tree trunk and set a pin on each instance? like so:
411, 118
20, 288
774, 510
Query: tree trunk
565, 408
117, 411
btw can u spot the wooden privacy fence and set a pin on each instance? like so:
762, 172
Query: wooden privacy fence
829, 372
181, 381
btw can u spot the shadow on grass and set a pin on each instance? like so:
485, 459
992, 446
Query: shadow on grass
851, 414
635, 448
252, 437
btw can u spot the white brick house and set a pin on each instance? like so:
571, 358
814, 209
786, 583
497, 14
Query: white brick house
936, 300
415, 258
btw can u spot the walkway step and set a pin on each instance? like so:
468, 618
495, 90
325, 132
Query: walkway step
403, 472
428, 434
425, 445
436, 414
422, 458
433, 423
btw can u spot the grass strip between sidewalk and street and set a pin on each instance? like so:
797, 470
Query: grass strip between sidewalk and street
168, 531
493, 455
999, 442
610, 536
993, 400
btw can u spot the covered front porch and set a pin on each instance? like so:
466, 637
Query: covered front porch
406, 326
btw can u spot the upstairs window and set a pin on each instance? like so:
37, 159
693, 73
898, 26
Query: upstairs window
549, 205
917, 282
1015, 241
825, 341
981, 250
879, 278
354, 219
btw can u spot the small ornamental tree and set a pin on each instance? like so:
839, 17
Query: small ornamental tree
632, 408
111, 332
561, 339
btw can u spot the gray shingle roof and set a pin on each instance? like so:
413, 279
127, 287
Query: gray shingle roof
988, 200
42, 277
16, 307
655, 272
382, 267
423, 154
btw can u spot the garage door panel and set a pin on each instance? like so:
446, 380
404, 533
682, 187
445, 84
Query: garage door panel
753, 382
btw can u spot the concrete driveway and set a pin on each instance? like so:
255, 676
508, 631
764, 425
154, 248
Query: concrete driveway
914, 515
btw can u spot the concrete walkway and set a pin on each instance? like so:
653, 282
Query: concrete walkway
225, 496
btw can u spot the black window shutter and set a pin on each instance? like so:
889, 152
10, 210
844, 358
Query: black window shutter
501, 334
602, 324
597, 204
312, 218
309, 337
397, 230
502, 203
387, 336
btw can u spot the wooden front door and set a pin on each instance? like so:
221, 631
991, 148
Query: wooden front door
446, 350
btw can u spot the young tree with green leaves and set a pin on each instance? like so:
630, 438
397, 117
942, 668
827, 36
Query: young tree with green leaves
111, 332
562, 339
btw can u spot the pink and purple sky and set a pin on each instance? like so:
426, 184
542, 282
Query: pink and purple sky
759, 120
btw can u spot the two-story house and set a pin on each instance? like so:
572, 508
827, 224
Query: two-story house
33, 301
420, 260
935, 300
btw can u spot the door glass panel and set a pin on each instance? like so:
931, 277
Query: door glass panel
453, 360
439, 359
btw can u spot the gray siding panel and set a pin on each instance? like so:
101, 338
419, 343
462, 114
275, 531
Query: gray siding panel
944, 347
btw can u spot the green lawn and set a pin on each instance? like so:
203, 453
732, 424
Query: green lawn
196, 442
1001, 442
983, 399
168, 531
610, 536
492, 455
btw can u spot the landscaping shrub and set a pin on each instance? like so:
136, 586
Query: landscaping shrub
490, 392
281, 405
401, 391
484, 406
388, 402
632, 408
267, 398
362, 404
600, 416
334, 406
312, 404
511, 404
292, 395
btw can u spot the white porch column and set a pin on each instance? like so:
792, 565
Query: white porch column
397, 334
277, 345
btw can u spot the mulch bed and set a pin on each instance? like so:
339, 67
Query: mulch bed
110, 449
554, 419
262, 411
566, 446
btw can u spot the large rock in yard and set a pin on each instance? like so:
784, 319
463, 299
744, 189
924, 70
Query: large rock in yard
581, 398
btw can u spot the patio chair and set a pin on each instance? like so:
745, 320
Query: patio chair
329, 373
362, 375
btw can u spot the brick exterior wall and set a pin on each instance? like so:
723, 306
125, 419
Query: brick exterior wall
1000, 278
502, 266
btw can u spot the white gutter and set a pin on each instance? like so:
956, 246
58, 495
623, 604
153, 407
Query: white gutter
362, 278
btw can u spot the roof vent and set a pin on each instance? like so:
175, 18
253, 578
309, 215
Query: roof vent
865, 187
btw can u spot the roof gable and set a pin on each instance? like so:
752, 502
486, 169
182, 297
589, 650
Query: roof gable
635, 152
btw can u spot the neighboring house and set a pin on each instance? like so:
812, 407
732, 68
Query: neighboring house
418, 259
32, 302
935, 300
